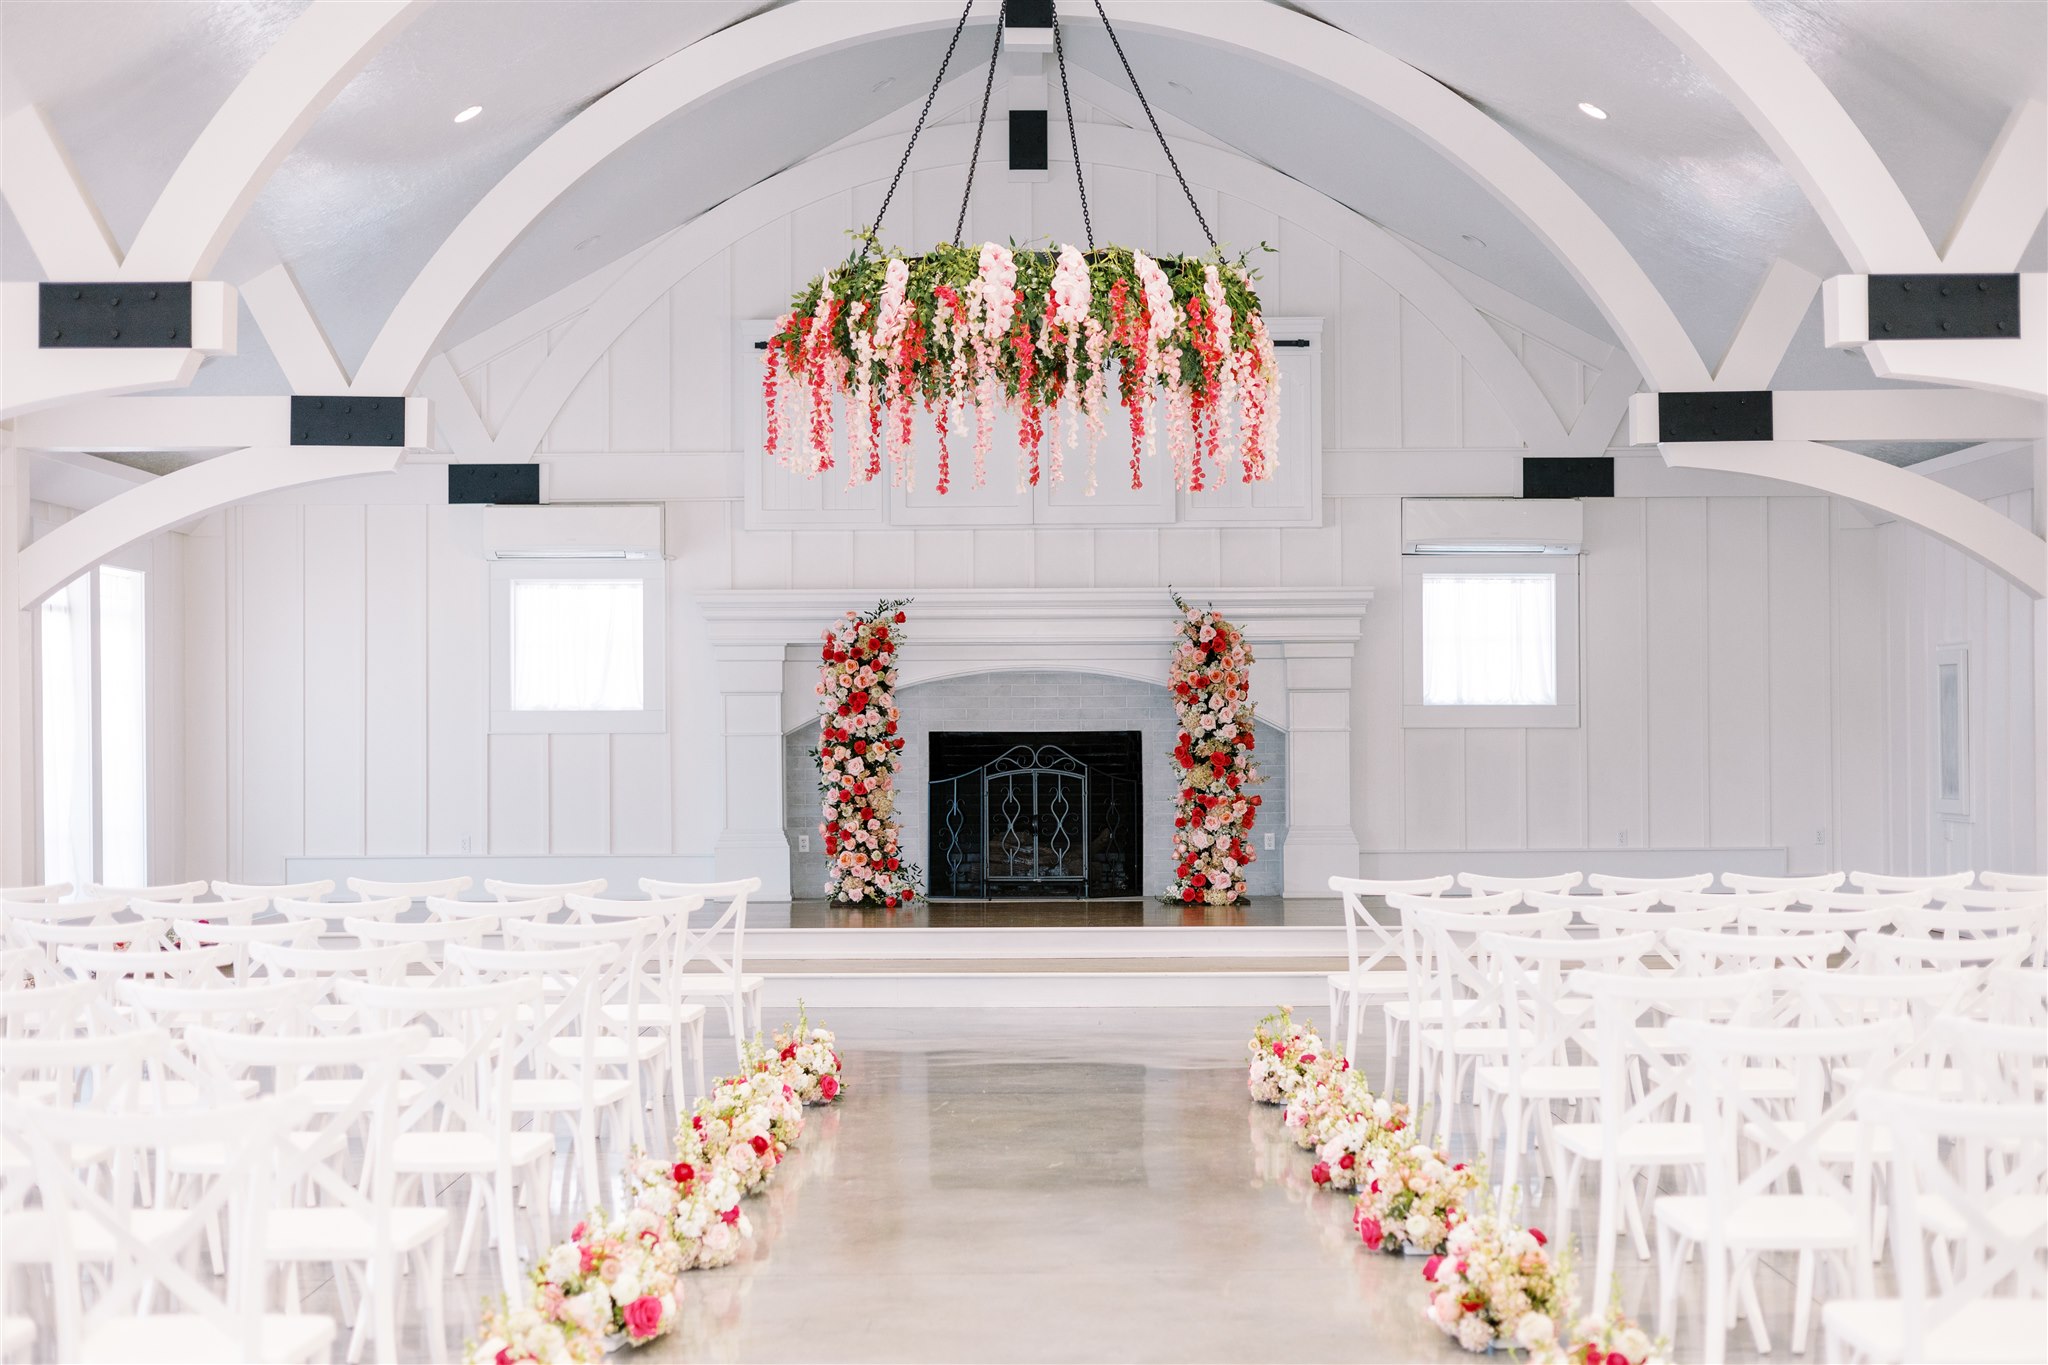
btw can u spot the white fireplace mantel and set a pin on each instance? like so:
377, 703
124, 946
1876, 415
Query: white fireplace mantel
765, 642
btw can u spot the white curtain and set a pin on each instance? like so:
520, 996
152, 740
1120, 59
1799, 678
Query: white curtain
577, 645
1489, 640
124, 728
66, 629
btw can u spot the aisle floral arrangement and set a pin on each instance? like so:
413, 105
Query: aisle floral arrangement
1365, 1124
1212, 830
858, 750
1042, 334
1410, 1197
1282, 1052
1611, 1340
617, 1280
1497, 1284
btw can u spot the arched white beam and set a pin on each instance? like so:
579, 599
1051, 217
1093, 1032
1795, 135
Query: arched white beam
659, 270
1452, 125
1804, 124
269, 111
68, 550
2008, 199
1955, 517
63, 226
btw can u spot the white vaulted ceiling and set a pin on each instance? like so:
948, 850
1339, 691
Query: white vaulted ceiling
370, 192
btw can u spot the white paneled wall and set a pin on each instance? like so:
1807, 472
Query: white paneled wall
1936, 596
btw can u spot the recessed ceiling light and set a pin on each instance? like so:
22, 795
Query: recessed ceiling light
1591, 110
883, 84
469, 113
591, 240
1472, 241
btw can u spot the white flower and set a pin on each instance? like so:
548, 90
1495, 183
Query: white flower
1535, 1330
564, 1262
1473, 1334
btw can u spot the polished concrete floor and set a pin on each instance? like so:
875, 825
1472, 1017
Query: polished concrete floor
1066, 1185
1057, 1185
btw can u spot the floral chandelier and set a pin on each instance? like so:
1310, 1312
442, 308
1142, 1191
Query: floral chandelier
1041, 334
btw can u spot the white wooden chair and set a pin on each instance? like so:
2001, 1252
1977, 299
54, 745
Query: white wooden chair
205, 934
1752, 881
664, 1005
1368, 943
183, 893
1930, 882
289, 891
1422, 1007
369, 890
620, 1048
721, 949
330, 914
49, 891
2014, 881
527, 891
147, 1264
1609, 884
1480, 884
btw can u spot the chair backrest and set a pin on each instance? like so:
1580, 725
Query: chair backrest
1815, 921
234, 1197
141, 935
1932, 881
1987, 1165
444, 908
61, 912
290, 891
370, 890
1846, 902
57, 1010
193, 933
1638, 902
1358, 917
1973, 898
203, 965
387, 962
332, 913
1613, 920
1959, 921
468, 1090
49, 891
276, 1007
727, 924
1414, 886
242, 911
1750, 881
1737, 901
372, 933
1462, 952
640, 944
1838, 998
527, 891
1700, 951
1903, 952
2014, 881
1992, 1062
176, 892
1482, 884
571, 979
121, 1066
1608, 883
2016, 995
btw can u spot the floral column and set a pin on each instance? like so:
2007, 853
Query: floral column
1212, 831
857, 753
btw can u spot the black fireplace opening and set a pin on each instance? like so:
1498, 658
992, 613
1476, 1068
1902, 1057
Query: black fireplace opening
1042, 815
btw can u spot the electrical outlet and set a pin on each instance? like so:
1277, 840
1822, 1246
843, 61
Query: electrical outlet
1269, 841
803, 843
1820, 836
465, 843
1621, 839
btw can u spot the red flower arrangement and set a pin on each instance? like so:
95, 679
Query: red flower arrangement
858, 750
1212, 831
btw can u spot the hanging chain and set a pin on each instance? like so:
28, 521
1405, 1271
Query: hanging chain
922, 115
994, 57
1073, 138
1146, 105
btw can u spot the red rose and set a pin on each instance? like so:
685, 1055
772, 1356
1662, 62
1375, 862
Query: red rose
1346, 1161
504, 1356
643, 1317
1537, 1233
1617, 1358
899, 618
828, 1086
1471, 1305
759, 1144
1370, 1233
1320, 1173
1279, 1049
788, 1053
890, 903
683, 1173
1429, 1268
731, 1215
1593, 1354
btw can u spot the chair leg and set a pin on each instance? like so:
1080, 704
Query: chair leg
434, 1296
1802, 1303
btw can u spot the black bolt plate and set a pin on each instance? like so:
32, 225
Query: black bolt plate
347, 420
1027, 140
1743, 415
125, 314
1587, 477
1937, 307
1028, 13
494, 483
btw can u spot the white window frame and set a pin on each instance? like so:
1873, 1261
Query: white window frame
1958, 657
651, 718
1564, 714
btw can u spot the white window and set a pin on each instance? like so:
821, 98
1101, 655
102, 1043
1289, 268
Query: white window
1492, 640
577, 646
93, 702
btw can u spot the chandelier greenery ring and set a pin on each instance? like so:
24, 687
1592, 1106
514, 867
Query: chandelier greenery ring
1052, 336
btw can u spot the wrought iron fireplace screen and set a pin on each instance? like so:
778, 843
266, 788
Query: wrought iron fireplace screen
1036, 820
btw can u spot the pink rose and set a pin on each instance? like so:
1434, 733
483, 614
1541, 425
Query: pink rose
1370, 1232
1320, 1173
828, 1086
643, 1317
731, 1215
1429, 1268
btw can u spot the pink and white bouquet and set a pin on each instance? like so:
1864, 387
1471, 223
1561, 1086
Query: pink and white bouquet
1321, 1098
1496, 1284
809, 1059
1410, 1197
1281, 1050
699, 1198
1611, 1340
1367, 1124
736, 1132
857, 754
1210, 678
613, 1281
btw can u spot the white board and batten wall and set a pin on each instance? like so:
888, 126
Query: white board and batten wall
1743, 686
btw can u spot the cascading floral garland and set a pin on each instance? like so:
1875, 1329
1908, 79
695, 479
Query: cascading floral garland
1212, 832
1040, 333
857, 753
